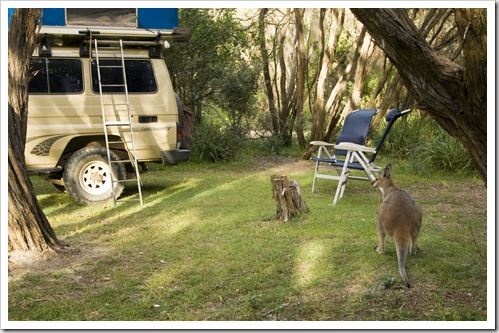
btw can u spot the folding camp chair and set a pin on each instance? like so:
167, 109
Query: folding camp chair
350, 147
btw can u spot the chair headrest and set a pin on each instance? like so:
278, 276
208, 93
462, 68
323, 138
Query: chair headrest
393, 114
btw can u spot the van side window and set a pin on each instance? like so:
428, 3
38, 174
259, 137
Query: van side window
139, 76
56, 76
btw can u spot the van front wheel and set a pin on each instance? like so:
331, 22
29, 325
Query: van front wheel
87, 175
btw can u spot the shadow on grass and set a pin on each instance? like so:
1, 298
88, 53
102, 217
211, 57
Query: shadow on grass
202, 248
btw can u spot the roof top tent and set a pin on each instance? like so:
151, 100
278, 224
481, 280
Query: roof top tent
140, 18
66, 26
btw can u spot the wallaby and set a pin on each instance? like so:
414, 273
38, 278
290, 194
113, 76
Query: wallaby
399, 216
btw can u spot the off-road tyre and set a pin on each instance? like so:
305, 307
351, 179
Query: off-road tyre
87, 176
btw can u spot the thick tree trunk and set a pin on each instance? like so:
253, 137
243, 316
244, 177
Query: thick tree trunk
29, 229
455, 96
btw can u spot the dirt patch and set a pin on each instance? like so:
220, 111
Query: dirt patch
282, 164
22, 263
468, 200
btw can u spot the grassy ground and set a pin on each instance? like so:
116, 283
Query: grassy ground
205, 246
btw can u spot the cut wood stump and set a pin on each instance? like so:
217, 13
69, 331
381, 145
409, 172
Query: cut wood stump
288, 198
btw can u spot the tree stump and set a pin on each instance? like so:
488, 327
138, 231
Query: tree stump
288, 198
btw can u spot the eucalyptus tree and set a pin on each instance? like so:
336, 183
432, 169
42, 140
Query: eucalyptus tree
451, 88
283, 44
29, 229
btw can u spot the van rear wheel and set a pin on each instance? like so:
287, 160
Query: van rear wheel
87, 175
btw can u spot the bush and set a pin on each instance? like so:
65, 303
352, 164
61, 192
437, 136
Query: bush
272, 145
425, 144
441, 151
215, 143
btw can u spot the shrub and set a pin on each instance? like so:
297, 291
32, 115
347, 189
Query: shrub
425, 144
273, 145
215, 143
441, 151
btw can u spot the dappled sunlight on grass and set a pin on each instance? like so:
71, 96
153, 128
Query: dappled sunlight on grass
308, 263
205, 246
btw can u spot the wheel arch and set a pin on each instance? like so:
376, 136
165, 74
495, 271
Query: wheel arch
78, 142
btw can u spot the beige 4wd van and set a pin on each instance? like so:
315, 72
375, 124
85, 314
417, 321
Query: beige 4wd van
65, 138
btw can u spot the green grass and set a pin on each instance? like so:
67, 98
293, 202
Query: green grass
205, 246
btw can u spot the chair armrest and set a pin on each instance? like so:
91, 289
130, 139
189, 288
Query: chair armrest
354, 146
321, 143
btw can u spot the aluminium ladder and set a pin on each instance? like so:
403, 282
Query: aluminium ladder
121, 124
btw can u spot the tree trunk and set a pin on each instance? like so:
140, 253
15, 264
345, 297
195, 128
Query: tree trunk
321, 106
362, 68
455, 96
288, 198
29, 229
288, 63
334, 100
266, 69
301, 69
326, 58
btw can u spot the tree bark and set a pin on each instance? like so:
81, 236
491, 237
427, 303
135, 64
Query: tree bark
288, 63
301, 69
454, 95
362, 68
326, 60
29, 229
288, 198
333, 103
266, 70
285, 90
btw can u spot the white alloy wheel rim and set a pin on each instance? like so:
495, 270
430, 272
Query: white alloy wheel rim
95, 177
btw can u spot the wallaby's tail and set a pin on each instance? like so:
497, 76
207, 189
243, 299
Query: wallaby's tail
402, 250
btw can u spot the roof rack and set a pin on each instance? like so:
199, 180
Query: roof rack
152, 28
176, 35
82, 37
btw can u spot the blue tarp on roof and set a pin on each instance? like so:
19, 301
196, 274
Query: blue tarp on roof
54, 16
158, 18
145, 18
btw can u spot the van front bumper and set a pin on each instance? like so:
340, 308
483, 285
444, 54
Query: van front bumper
172, 157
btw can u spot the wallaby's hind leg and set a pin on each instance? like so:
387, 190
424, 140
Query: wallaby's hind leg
414, 247
381, 236
402, 249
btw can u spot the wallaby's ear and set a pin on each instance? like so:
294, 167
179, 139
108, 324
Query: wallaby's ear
388, 171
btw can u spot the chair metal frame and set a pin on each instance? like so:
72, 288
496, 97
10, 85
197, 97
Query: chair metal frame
355, 156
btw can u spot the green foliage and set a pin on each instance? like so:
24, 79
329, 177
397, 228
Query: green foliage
213, 77
425, 145
443, 152
345, 45
215, 142
200, 67
236, 95
273, 145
